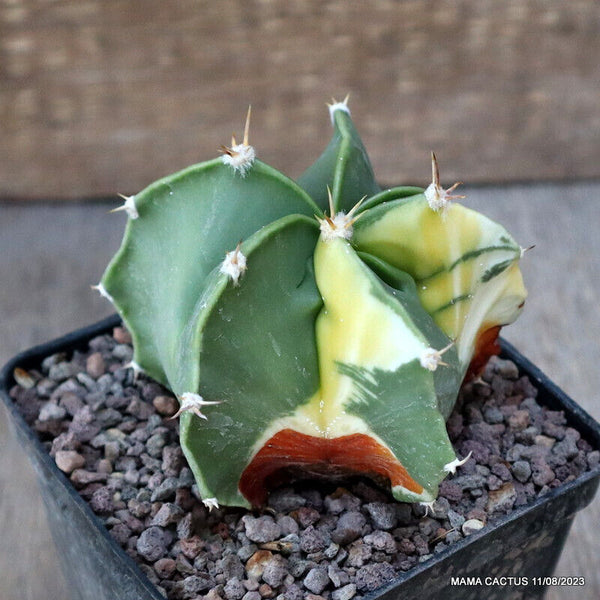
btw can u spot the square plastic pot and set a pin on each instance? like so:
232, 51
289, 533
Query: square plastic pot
525, 544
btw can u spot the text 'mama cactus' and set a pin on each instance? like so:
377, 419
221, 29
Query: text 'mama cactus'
321, 327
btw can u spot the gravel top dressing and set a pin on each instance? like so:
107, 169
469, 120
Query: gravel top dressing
111, 434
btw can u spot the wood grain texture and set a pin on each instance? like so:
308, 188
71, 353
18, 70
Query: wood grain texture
50, 254
103, 97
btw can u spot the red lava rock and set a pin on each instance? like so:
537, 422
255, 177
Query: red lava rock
191, 547
164, 567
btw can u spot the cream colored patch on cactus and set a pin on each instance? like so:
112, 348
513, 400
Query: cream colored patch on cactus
355, 327
440, 290
465, 266
498, 302
441, 239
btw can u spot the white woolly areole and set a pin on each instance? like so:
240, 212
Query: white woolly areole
452, 466
338, 227
102, 291
428, 506
189, 401
430, 359
337, 106
240, 158
234, 265
135, 368
437, 197
210, 503
130, 208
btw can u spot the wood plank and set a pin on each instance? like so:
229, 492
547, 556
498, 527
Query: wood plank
104, 97
50, 255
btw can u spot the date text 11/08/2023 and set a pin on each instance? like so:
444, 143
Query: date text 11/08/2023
518, 581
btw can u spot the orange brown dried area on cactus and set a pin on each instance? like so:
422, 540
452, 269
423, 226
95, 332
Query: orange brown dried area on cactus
291, 454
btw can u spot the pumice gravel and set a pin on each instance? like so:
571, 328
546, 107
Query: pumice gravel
109, 429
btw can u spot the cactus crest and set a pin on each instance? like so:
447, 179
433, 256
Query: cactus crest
322, 340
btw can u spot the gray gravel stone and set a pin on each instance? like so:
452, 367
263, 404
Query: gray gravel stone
593, 459
61, 371
471, 526
287, 525
275, 571
358, 554
381, 540
102, 500
194, 584
261, 529
455, 519
231, 566
567, 448
345, 593
167, 514
234, 589
165, 490
152, 544
316, 580
293, 592
349, 527
338, 576
313, 540
521, 470
382, 515
541, 473
370, 577
51, 412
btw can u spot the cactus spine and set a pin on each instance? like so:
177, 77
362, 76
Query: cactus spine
328, 344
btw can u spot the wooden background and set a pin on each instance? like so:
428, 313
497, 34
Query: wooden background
98, 97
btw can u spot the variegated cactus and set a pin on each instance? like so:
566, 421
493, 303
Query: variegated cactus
326, 345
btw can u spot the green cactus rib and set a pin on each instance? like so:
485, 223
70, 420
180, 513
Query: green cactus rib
344, 168
187, 222
465, 266
251, 346
388, 195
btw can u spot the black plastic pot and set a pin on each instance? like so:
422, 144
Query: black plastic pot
524, 545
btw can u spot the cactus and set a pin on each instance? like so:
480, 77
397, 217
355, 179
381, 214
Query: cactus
322, 327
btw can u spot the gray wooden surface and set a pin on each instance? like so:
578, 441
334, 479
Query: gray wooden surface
97, 96
49, 255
